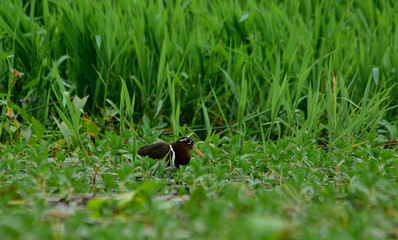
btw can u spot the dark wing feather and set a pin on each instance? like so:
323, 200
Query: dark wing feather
155, 151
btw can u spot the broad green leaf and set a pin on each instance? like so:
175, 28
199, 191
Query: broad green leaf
38, 128
78, 103
26, 133
89, 127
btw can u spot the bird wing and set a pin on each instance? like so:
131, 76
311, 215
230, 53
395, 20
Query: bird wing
155, 151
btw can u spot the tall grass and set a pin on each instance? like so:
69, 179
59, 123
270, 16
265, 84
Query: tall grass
178, 57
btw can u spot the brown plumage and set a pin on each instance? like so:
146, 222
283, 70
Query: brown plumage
178, 153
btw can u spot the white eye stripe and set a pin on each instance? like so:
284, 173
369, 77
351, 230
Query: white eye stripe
187, 140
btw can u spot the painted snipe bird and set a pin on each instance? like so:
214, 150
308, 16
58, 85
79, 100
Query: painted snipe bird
178, 153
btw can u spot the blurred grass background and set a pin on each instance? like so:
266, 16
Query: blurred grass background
283, 68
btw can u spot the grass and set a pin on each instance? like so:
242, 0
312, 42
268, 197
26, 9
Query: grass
293, 103
286, 48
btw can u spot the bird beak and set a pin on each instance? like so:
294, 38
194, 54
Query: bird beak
198, 151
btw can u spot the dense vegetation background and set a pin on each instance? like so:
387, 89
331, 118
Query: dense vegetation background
258, 62
295, 102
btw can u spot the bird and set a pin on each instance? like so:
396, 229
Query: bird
177, 153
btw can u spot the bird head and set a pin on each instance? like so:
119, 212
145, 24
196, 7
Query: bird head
189, 143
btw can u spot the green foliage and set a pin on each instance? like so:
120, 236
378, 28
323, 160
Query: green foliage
291, 192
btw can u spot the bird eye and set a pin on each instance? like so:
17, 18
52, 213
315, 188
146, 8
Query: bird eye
187, 140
